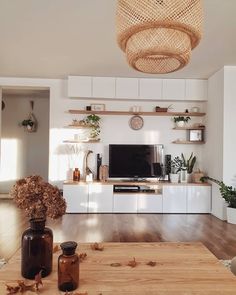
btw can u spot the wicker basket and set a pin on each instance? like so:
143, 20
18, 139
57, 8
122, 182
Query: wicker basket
158, 35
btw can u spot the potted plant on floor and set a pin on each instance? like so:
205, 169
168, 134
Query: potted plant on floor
181, 121
188, 164
229, 194
176, 166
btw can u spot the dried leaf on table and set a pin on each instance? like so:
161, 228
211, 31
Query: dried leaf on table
76, 293
56, 249
132, 263
116, 264
97, 247
38, 280
12, 290
152, 263
82, 256
23, 287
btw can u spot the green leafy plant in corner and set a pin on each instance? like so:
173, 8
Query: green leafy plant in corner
227, 192
189, 163
181, 118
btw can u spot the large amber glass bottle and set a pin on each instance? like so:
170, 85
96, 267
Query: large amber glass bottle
37, 250
68, 267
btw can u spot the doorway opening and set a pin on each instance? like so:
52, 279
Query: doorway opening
24, 135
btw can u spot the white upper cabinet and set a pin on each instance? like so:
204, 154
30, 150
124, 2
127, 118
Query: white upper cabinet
127, 88
103, 87
79, 86
173, 89
196, 89
150, 88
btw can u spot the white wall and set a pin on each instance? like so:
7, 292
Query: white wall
229, 165
213, 150
115, 129
23, 153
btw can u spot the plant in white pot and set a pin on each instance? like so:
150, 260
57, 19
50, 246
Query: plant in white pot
181, 121
229, 194
176, 166
188, 164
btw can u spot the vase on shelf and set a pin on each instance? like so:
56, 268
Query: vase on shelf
36, 249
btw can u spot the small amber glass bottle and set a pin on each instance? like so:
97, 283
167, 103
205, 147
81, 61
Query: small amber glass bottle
76, 174
68, 267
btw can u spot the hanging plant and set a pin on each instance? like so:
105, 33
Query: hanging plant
94, 121
30, 124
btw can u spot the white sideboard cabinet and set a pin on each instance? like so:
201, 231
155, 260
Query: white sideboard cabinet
76, 197
97, 197
100, 198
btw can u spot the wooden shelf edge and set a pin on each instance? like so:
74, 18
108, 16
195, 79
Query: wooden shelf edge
120, 113
78, 127
81, 141
188, 128
188, 142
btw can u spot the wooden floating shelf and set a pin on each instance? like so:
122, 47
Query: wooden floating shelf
189, 128
120, 113
82, 141
187, 142
78, 127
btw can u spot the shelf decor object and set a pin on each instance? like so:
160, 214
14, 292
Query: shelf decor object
158, 36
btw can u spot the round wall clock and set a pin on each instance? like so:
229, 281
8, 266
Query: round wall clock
136, 122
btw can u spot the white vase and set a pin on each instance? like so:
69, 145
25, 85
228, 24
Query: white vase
183, 176
231, 215
180, 124
174, 178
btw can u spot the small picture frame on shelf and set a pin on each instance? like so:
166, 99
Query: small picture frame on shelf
196, 135
98, 107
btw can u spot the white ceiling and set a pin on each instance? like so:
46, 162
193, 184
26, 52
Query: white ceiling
57, 38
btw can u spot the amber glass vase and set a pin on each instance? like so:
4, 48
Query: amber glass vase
37, 250
68, 267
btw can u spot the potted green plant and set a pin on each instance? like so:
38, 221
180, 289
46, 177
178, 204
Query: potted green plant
180, 121
94, 121
228, 193
176, 166
188, 164
29, 125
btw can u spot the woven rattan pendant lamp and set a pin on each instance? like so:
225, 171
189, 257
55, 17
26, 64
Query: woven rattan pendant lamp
158, 35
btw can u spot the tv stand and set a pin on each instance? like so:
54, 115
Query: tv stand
134, 180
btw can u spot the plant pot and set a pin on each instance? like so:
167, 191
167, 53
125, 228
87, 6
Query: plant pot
174, 178
180, 124
189, 177
183, 176
231, 215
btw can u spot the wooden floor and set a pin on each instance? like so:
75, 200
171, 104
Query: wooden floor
218, 236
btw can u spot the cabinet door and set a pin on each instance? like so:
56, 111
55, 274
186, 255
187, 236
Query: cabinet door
174, 89
149, 203
79, 86
125, 203
76, 198
103, 87
174, 199
198, 199
127, 88
100, 198
196, 89
150, 88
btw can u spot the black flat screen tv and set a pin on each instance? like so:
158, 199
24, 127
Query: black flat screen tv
134, 161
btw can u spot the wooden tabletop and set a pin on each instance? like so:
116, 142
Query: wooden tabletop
181, 269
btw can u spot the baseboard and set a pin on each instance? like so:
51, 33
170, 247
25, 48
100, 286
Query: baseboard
218, 216
5, 196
